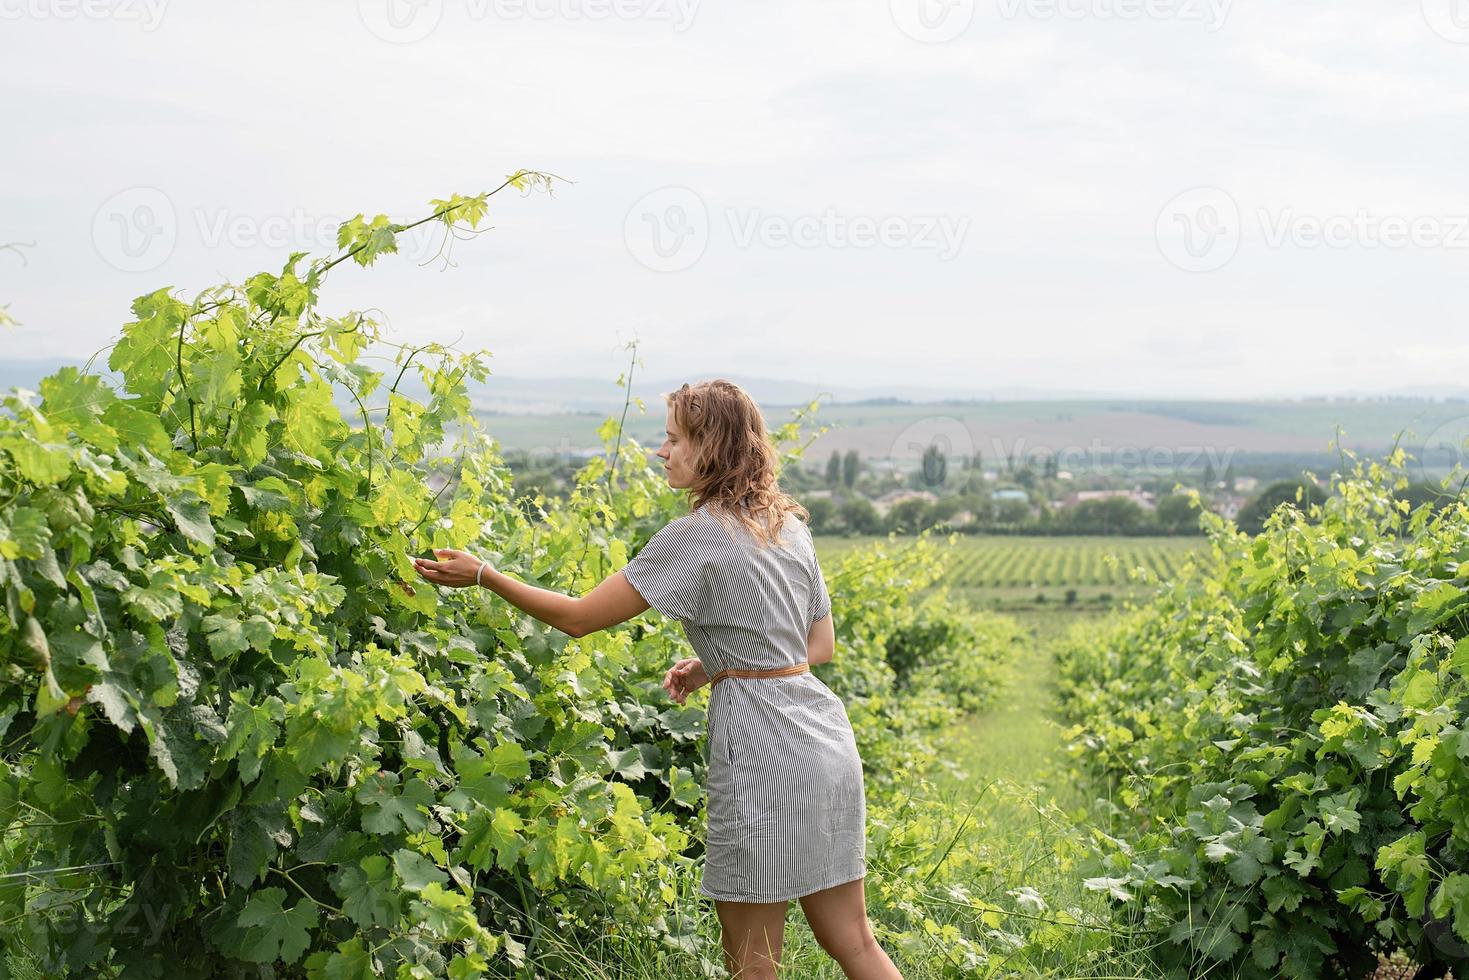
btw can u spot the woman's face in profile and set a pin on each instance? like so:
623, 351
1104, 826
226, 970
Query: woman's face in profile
674, 453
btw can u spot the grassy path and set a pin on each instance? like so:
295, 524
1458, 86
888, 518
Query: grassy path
1019, 738
1031, 822
1017, 746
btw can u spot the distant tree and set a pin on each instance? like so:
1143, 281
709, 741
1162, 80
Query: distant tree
1107, 515
1176, 515
946, 507
910, 516
823, 512
978, 504
834, 469
1052, 468
1229, 477
851, 465
1011, 511
935, 468
1209, 479
1026, 477
860, 517
1251, 518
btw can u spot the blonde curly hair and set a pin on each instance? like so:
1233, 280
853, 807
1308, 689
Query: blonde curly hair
733, 462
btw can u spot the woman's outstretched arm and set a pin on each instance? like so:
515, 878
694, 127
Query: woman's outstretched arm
613, 601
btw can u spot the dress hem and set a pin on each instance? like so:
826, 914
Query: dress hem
787, 898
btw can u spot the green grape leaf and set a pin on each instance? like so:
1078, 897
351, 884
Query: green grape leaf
270, 493
273, 932
416, 871
135, 425
388, 812
368, 894
635, 762
27, 535
226, 635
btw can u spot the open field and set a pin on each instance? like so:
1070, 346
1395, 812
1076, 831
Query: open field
1015, 571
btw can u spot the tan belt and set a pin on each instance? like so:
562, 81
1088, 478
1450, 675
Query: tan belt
790, 671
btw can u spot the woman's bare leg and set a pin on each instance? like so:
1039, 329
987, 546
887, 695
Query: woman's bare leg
838, 918
753, 935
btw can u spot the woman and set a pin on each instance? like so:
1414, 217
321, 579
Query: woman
787, 809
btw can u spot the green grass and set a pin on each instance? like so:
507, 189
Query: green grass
1032, 817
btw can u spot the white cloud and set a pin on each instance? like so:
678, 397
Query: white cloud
1056, 140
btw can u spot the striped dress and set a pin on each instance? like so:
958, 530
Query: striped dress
786, 805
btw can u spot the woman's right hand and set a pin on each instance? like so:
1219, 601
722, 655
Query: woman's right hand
684, 678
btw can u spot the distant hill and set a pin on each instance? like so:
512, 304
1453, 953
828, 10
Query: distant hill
26, 374
894, 423
507, 395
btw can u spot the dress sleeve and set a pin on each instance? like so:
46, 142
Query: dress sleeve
668, 572
820, 604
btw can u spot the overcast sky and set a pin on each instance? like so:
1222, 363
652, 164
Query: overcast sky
1189, 198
